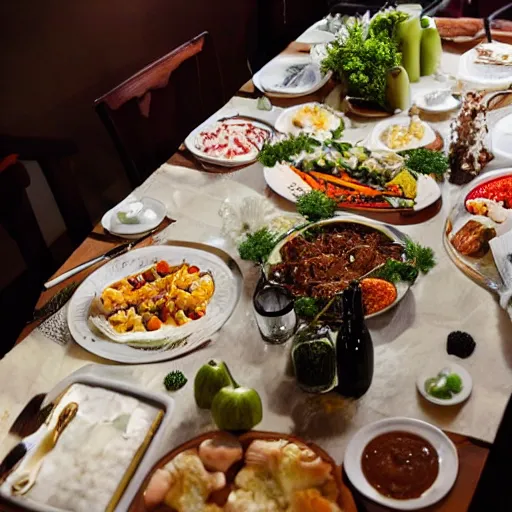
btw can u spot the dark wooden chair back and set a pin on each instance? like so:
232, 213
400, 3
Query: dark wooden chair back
17, 299
149, 115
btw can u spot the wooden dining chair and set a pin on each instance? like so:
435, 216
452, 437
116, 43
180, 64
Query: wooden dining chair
18, 298
149, 115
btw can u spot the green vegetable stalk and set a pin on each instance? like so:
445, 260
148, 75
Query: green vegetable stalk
431, 47
408, 36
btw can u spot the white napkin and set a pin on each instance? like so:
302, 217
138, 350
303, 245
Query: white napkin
501, 248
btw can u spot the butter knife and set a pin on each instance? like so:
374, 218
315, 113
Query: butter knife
112, 253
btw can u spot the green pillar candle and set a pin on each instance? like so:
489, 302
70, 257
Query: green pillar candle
431, 47
408, 36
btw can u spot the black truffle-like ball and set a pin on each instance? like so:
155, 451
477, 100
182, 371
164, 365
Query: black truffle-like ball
460, 344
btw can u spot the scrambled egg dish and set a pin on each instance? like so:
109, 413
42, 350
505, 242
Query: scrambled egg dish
398, 136
160, 295
316, 119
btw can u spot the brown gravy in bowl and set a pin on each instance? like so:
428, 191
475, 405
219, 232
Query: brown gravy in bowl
400, 465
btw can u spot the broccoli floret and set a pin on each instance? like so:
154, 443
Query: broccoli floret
174, 380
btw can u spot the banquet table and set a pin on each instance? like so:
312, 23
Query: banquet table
405, 338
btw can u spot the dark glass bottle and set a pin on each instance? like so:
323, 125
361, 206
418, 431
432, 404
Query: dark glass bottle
354, 347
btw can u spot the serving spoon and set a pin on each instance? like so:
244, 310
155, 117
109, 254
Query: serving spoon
27, 479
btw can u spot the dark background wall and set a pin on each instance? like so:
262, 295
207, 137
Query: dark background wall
57, 56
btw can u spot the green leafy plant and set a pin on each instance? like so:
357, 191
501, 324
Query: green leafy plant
257, 246
361, 62
384, 24
426, 161
315, 206
174, 380
395, 271
284, 150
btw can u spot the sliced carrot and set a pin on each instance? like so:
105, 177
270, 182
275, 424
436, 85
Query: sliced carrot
308, 179
338, 181
154, 323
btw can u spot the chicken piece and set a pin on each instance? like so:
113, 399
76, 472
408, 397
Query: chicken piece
221, 453
257, 491
473, 239
311, 500
294, 468
157, 488
301, 468
191, 484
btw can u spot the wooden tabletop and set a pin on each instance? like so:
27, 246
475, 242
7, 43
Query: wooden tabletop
472, 453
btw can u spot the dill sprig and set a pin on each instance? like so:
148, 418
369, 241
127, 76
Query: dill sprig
426, 161
284, 150
422, 258
315, 206
257, 246
418, 259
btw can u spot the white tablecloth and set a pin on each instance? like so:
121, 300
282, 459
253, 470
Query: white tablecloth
406, 339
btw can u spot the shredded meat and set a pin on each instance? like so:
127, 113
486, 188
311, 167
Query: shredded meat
322, 263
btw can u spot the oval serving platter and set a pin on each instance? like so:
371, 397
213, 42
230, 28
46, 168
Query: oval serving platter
345, 499
284, 182
228, 284
391, 232
482, 270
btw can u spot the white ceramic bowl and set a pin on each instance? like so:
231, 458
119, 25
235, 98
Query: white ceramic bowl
448, 461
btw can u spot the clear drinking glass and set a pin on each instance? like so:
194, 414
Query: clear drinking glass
275, 316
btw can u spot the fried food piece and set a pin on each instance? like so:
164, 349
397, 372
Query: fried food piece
473, 239
221, 453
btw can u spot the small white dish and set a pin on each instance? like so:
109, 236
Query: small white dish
448, 461
449, 104
150, 214
284, 123
375, 142
276, 68
432, 371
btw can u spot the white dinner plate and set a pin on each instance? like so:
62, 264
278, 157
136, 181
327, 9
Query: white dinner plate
448, 461
450, 103
375, 142
147, 223
483, 76
224, 162
283, 181
226, 276
433, 370
277, 66
501, 135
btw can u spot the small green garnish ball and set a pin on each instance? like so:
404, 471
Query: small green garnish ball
174, 380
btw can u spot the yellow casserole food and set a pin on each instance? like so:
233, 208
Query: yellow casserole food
160, 295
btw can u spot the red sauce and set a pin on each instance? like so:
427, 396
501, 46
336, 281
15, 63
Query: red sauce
400, 465
499, 189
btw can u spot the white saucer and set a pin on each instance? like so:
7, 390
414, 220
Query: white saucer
114, 226
449, 104
448, 461
432, 371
